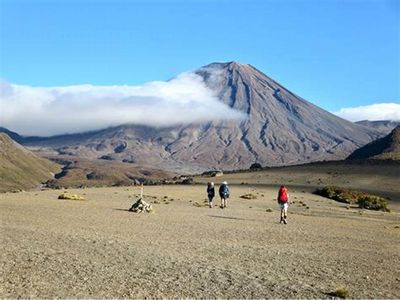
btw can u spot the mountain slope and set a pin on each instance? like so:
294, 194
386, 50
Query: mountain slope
13, 135
281, 128
20, 168
387, 147
384, 126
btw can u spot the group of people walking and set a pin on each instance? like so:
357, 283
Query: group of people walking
224, 193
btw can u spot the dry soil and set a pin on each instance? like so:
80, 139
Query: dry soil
97, 249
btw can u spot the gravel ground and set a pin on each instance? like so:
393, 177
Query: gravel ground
97, 249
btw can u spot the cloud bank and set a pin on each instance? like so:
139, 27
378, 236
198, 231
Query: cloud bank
48, 111
373, 112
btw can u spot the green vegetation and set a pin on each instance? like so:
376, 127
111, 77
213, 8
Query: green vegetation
364, 200
373, 202
341, 293
248, 196
69, 196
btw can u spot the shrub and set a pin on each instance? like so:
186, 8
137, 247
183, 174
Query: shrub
372, 202
364, 200
338, 194
255, 166
341, 293
248, 196
69, 196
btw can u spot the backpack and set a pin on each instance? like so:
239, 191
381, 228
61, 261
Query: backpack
283, 195
210, 191
224, 191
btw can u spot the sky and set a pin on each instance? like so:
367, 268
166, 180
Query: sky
343, 56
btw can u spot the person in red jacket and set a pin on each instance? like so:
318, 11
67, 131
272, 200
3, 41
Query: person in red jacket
283, 200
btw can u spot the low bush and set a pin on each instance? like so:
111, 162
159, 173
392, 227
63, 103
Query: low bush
69, 196
255, 166
341, 293
187, 181
373, 202
364, 200
248, 196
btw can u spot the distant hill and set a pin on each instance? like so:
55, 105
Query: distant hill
80, 172
387, 147
383, 126
281, 128
20, 168
13, 135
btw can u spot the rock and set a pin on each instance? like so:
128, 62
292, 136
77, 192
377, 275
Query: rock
141, 206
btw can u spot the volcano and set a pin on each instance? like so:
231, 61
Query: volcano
280, 128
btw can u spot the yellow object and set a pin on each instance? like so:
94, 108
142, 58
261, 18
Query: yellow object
69, 196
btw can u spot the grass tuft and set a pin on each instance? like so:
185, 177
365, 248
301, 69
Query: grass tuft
248, 196
342, 293
69, 196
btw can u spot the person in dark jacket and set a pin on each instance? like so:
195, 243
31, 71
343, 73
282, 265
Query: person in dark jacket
210, 193
224, 194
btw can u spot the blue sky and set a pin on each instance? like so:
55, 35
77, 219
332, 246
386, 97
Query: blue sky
333, 53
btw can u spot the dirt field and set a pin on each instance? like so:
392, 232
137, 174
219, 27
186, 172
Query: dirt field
96, 248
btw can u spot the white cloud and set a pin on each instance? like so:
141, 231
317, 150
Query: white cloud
373, 112
56, 110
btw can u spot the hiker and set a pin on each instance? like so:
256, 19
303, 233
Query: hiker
224, 194
283, 200
210, 193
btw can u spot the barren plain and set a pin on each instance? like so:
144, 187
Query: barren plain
95, 248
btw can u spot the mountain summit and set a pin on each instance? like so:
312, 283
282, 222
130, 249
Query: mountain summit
280, 128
